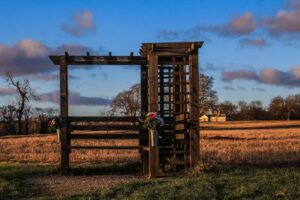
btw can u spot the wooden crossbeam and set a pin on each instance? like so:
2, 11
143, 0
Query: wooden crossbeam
100, 60
170, 49
106, 147
107, 127
119, 136
103, 119
111, 127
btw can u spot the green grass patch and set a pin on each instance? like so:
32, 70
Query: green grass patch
13, 177
223, 182
216, 183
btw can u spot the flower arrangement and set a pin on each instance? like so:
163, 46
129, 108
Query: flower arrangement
54, 124
152, 121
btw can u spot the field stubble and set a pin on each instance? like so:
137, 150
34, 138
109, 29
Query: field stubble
243, 146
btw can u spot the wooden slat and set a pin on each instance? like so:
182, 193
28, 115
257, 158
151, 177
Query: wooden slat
107, 127
179, 127
179, 136
180, 117
107, 136
103, 119
105, 147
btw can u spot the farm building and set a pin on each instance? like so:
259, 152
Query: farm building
203, 118
213, 118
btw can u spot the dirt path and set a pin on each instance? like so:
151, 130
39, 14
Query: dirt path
58, 186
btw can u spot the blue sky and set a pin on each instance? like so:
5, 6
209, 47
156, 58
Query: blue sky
251, 46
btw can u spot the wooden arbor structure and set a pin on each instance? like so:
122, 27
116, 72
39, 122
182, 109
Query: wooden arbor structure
169, 86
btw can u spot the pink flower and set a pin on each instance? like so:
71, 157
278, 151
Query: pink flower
152, 115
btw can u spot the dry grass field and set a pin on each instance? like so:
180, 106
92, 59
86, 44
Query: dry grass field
235, 143
261, 143
221, 143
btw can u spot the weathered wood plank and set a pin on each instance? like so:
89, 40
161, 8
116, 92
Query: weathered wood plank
194, 109
144, 104
179, 136
64, 156
106, 147
107, 127
153, 106
112, 127
100, 60
180, 117
179, 127
114, 136
153, 82
153, 162
144, 89
111, 60
103, 119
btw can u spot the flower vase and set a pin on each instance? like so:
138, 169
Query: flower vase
58, 135
153, 138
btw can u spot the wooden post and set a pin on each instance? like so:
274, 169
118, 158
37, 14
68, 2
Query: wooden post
144, 89
153, 107
64, 140
144, 110
153, 82
194, 108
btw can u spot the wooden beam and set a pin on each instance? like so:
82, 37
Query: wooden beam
103, 119
194, 109
100, 60
111, 127
106, 147
134, 61
170, 48
144, 106
173, 45
153, 82
107, 127
153, 107
153, 162
144, 89
113, 136
64, 157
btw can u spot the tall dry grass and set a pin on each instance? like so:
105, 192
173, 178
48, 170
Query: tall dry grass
46, 149
251, 146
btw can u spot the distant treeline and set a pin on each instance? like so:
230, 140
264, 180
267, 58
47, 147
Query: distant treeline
34, 121
279, 108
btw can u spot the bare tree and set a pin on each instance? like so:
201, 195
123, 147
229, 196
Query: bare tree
128, 102
207, 96
25, 94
